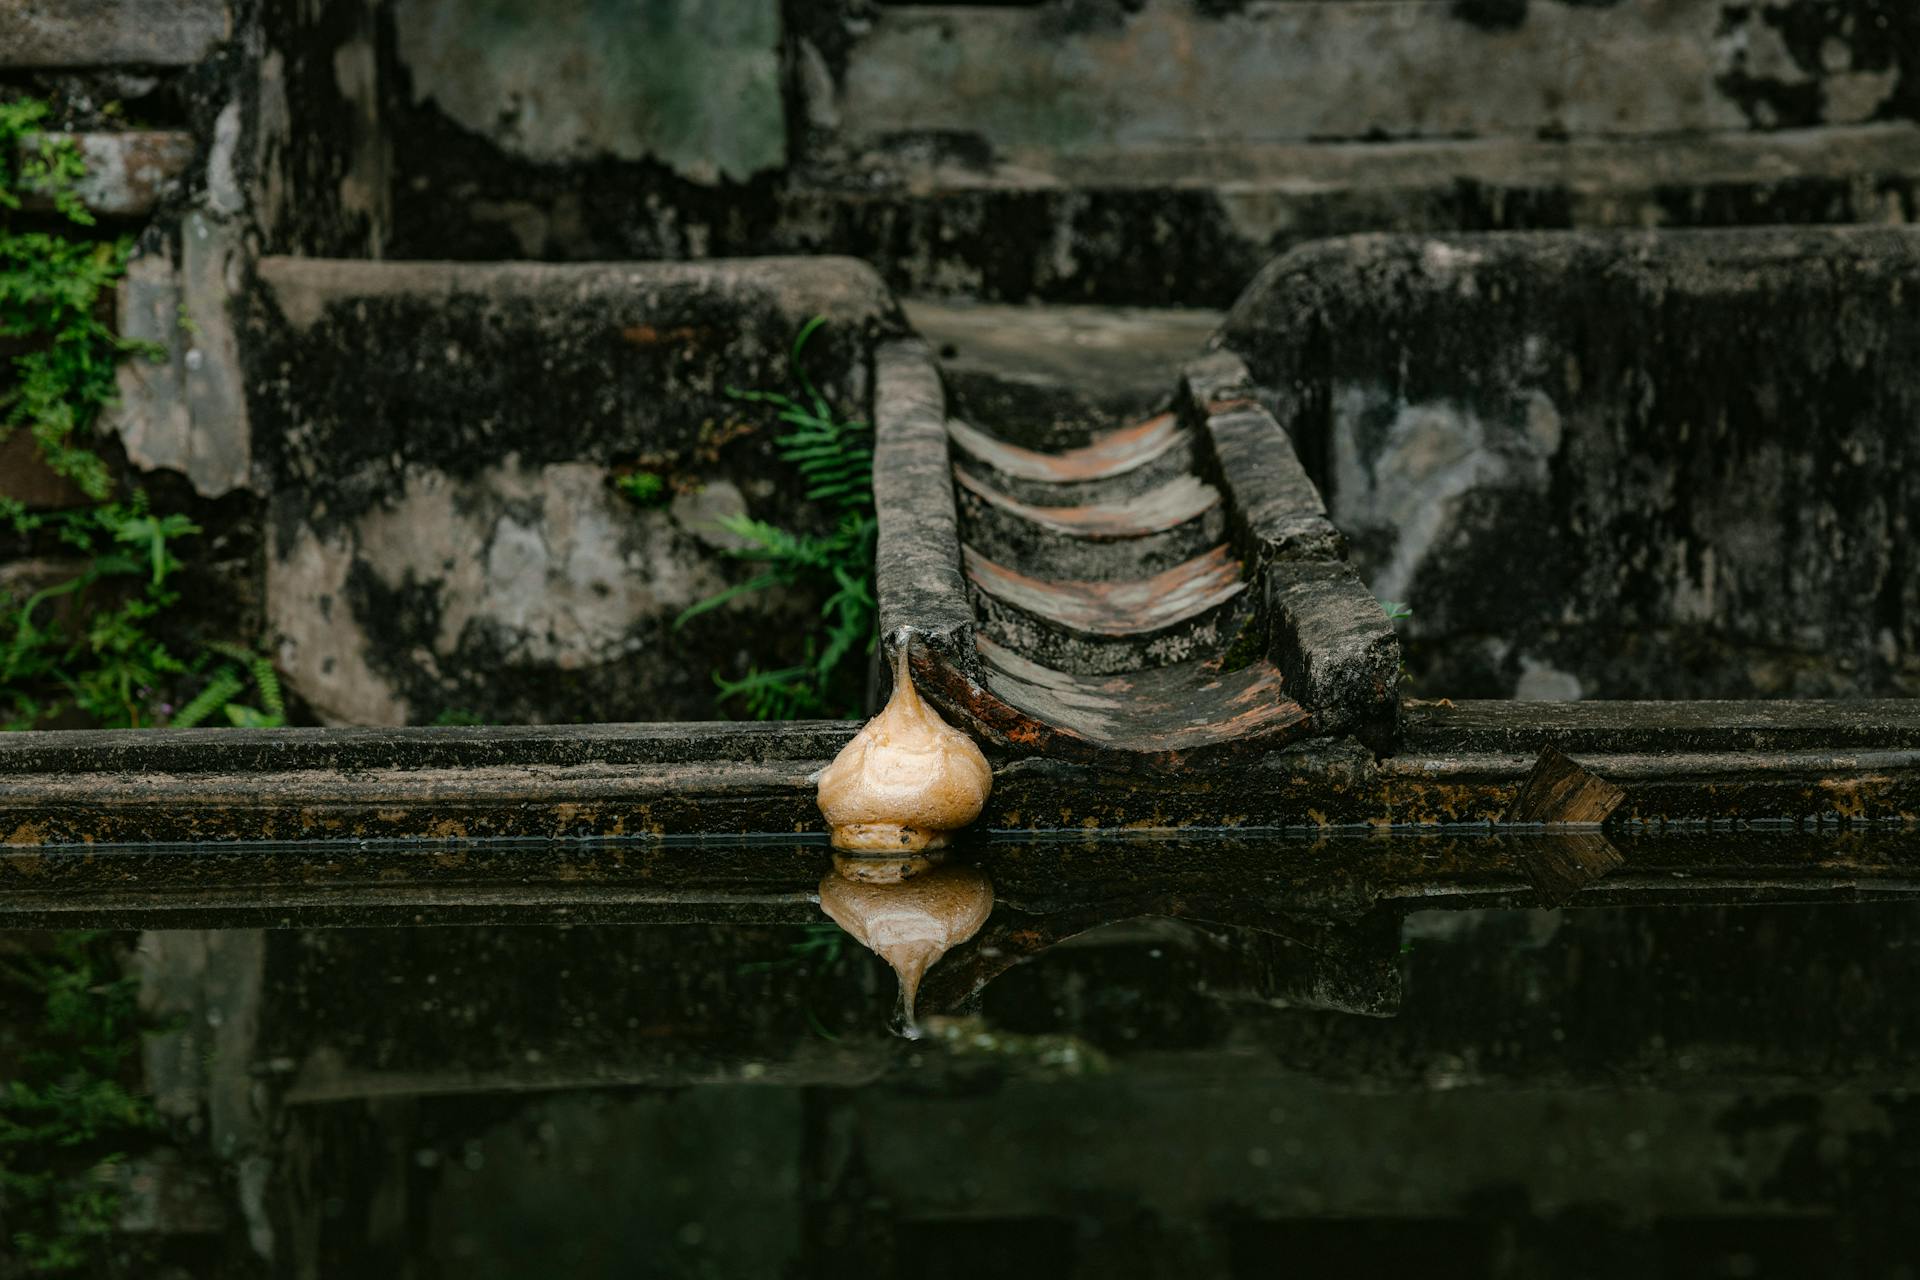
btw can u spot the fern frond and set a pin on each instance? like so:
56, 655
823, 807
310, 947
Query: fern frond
219, 691
734, 592
267, 681
834, 460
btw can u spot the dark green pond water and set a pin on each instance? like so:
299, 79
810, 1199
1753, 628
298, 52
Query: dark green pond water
1248, 1058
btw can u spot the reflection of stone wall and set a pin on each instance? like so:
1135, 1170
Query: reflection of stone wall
1617, 466
1677, 1083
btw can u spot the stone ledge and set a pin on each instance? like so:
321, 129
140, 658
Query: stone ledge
1236, 206
128, 174
317, 792
917, 569
101, 33
190, 752
1325, 631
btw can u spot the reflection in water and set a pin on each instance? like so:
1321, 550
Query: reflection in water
910, 924
873, 868
1609, 1092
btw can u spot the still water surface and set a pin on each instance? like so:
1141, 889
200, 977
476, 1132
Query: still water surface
1150, 1061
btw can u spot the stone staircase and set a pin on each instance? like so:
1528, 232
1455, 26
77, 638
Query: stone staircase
1106, 590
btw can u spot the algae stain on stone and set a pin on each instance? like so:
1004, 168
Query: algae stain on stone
692, 84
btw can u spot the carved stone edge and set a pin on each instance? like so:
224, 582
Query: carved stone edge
1325, 631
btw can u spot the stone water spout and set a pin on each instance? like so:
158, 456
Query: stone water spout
906, 782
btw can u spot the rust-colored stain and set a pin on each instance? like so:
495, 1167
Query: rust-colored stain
646, 335
1163, 711
1128, 607
1168, 506
27, 833
1857, 798
1111, 455
1230, 404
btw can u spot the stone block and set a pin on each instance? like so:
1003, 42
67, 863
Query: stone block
100, 33
185, 410
1339, 653
127, 173
1616, 464
445, 530
25, 478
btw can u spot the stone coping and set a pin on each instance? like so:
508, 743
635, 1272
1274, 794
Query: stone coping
1682, 766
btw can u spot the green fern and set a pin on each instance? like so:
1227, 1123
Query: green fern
227, 683
265, 679
835, 462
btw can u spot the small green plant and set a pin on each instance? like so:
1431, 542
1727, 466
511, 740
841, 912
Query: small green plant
85, 642
67, 1113
1396, 612
1247, 648
227, 682
645, 488
51, 284
835, 460
821, 946
454, 717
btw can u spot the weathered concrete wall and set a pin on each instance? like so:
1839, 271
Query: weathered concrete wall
445, 531
319, 138
1679, 465
1033, 82
692, 83
1126, 153
95, 33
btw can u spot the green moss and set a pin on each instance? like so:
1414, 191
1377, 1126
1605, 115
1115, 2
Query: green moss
646, 488
1247, 647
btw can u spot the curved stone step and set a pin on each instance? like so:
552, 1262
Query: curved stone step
1113, 467
1208, 612
1165, 711
1104, 627
1145, 533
